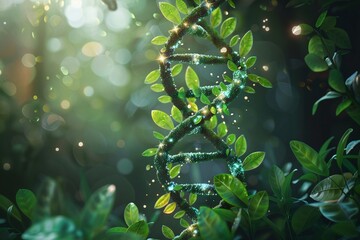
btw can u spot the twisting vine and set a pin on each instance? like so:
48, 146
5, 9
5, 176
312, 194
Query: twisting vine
194, 120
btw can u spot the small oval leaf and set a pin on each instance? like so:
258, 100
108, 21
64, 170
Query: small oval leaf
170, 12
253, 160
246, 44
162, 201
228, 27
162, 119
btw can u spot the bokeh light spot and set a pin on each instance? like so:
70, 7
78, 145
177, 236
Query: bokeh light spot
125, 166
28, 60
92, 49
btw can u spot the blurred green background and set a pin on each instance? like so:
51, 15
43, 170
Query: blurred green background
73, 105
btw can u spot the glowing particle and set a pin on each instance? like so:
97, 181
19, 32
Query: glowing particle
88, 91
223, 50
6, 166
111, 188
35, 97
161, 58
65, 104
57, 149
80, 144
175, 29
144, 206
296, 30
267, 29
246, 98
265, 68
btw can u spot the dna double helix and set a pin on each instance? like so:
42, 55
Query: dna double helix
215, 98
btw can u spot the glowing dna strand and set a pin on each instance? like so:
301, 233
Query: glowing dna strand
194, 122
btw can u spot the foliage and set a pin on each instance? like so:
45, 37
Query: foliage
46, 222
327, 45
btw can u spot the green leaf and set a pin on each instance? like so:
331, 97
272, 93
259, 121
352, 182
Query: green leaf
246, 44
204, 99
305, 29
329, 95
159, 40
176, 69
286, 187
341, 147
324, 149
276, 180
179, 214
167, 232
260, 80
149, 152
181, 5
162, 119
341, 211
97, 209
192, 198
304, 218
227, 78
308, 158
5, 204
231, 190
175, 171
26, 201
315, 63
211, 123
249, 90
140, 228
53, 228
253, 160
222, 130
225, 214
346, 229
228, 27
250, 61
211, 226
336, 81
131, 214
316, 47
343, 106
240, 146
320, 19
329, 22
191, 79
329, 189
157, 87
170, 208
117, 230
152, 77
216, 17
162, 201
170, 12
231, 3
258, 205
164, 99
232, 66
234, 40
176, 114
184, 223
230, 139
340, 37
